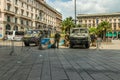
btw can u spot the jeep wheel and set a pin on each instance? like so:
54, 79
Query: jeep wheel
26, 43
36, 43
87, 45
71, 46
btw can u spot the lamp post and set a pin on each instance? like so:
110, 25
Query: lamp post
75, 11
12, 50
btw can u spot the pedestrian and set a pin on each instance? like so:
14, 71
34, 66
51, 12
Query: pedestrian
67, 39
99, 40
41, 36
57, 39
92, 39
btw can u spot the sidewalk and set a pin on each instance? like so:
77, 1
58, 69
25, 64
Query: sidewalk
110, 46
105, 45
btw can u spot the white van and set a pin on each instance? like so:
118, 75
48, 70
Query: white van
14, 35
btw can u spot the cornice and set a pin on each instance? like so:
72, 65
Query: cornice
99, 14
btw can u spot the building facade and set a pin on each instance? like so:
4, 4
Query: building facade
22, 15
92, 20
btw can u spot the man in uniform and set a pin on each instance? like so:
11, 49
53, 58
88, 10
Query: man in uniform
57, 39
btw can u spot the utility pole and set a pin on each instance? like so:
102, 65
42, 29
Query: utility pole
75, 11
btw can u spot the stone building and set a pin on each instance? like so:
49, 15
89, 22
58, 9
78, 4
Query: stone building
22, 15
92, 20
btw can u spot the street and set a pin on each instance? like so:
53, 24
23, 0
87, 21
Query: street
29, 63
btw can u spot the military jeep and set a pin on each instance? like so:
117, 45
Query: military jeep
80, 36
31, 36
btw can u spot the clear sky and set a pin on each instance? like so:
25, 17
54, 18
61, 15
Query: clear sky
66, 7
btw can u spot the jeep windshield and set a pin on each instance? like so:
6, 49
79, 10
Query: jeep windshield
79, 31
33, 32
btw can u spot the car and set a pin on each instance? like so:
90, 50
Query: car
14, 35
31, 37
80, 36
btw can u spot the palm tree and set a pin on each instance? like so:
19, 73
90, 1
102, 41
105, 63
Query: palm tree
93, 30
79, 25
103, 27
67, 24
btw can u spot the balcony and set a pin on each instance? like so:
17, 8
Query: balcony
40, 21
9, 12
25, 17
9, 2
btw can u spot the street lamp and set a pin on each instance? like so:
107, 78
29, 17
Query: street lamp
12, 50
75, 11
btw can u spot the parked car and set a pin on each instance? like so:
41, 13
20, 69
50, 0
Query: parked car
80, 36
14, 35
31, 37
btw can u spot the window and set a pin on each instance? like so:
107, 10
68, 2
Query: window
89, 21
110, 24
21, 27
32, 9
22, 4
114, 26
114, 20
36, 16
16, 10
15, 20
8, 18
31, 23
0, 14
21, 21
8, 7
27, 23
27, 6
22, 12
110, 20
16, 1
119, 25
31, 15
75, 31
118, 20
27, 14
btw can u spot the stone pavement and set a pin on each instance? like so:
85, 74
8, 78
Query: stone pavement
29, 63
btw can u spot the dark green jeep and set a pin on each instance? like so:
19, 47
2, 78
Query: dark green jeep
80, 36
31, 36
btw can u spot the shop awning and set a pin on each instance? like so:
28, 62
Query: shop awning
114, 34
110, 34
118, 32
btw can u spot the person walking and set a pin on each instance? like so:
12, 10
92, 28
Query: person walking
41, 36
57, 39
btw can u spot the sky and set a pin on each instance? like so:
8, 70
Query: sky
66, 7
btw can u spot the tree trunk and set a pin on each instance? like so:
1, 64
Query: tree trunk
104, 35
